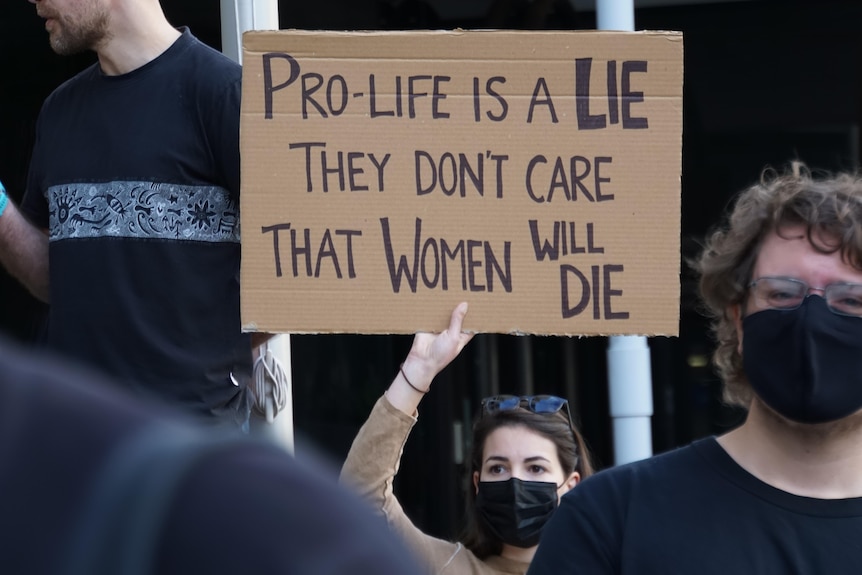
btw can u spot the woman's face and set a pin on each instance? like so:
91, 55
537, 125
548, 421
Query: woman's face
520, 452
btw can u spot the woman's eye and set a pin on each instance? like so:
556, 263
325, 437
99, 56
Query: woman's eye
496, 469
536, 469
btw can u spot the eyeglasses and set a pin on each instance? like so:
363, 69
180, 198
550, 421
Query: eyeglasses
789, 293
545, 404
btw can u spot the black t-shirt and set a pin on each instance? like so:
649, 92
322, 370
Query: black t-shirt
136, 179
248, 509
695, 510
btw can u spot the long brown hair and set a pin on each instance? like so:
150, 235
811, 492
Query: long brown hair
571, 451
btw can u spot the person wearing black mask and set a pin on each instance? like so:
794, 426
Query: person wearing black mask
781, 493
526, 454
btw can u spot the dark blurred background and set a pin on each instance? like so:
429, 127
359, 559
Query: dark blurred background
765, 82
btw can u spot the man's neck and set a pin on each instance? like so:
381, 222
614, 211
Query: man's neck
139, 33
823, 461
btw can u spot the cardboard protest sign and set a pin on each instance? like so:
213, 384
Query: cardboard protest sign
387, 176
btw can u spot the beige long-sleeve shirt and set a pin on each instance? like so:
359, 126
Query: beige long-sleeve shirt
370, 469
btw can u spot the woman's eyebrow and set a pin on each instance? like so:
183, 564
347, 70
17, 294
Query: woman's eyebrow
537, 458
496, 458
506, 459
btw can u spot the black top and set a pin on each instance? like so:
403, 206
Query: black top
136, 179
695, 510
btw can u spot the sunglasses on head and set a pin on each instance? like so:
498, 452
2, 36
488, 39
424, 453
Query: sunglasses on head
535, 403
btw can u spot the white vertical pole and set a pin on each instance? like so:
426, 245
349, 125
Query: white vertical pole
630, 388
629, 372
238, 16
615, 15
282, 422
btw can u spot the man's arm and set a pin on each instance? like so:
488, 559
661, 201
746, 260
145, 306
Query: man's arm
23, 249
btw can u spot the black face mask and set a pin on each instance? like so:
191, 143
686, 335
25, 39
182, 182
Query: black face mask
805, 363
516, 511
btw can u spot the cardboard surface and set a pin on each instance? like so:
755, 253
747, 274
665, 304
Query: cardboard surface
387, 176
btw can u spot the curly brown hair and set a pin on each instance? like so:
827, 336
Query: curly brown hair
829, 206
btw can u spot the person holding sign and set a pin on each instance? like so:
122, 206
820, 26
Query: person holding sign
129, 226
782, 493
526, 454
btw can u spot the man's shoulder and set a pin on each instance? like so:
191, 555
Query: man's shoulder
206, 64
71, 87
668, 468
668, 460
